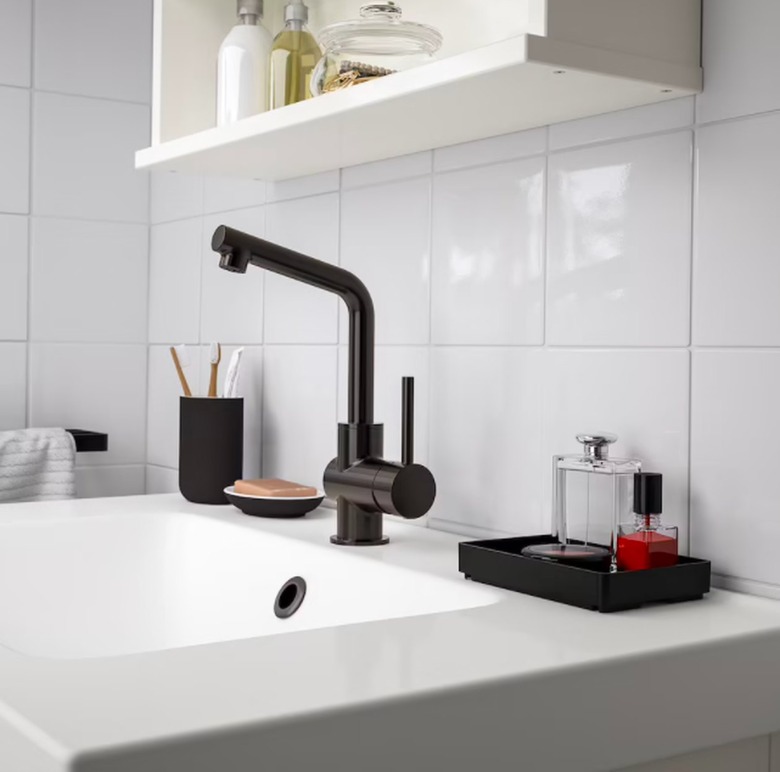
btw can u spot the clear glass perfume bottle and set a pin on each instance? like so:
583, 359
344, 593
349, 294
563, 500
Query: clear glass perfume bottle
646, 543
591, 496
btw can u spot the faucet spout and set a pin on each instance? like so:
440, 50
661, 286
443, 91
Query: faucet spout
238, 249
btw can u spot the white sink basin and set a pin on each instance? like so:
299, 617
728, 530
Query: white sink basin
125, 584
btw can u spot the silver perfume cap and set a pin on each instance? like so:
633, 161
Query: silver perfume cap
596, 444
250, 7
296, 10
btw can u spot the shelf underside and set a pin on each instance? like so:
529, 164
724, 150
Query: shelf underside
516, 84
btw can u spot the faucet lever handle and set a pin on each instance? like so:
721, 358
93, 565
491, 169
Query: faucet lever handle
407, 421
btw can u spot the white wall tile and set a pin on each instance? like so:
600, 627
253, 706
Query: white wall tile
175, 282
642, 396
733, 514
392, 364
13, 278
740, 58
162, 435
299, 187
160, 479
96, 387
250, 387
15, 42
619, 244
486, 438
385, 240
492, 150
294, 312
648, 119
745, 756
299, 412
14, 150
13, 386
92, 48
736, 265
89, 281
488, 241
223, 194
231, 303
175, 196
83, 159
391, 170
98, 481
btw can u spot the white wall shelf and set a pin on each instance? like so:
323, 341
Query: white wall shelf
518, 83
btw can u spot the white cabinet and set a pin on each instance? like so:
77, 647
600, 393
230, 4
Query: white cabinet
506, 65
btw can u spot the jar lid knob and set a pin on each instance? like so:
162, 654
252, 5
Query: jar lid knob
387, 10
596, 444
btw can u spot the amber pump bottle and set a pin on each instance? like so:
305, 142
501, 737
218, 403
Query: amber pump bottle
294, 55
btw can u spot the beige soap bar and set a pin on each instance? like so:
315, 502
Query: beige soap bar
280, 488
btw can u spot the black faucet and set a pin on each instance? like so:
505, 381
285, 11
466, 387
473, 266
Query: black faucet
362, 482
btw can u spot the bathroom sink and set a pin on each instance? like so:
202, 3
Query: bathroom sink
105, 586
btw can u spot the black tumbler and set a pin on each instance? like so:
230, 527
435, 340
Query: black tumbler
211, 447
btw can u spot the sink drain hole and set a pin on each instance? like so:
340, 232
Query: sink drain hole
290, 597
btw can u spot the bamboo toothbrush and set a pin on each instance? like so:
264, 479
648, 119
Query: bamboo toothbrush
179, 353
215, 358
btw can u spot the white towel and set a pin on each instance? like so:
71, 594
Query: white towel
37, 465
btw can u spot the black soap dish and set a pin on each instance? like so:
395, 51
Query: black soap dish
498, 562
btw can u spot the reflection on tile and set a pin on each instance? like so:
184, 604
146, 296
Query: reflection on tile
231, 303
299, 412
391, 170
83, 158
100, 481
741, 59
294, 312
97, 387
13, 386
734, 514
736, 269
486, 438
488, 240
642, 396
385, 241
619, 244
13, 278
86, 271
175, 282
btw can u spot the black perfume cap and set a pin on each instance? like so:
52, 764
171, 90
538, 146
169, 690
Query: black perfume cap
648, 493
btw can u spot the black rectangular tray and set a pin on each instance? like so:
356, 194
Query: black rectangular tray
498, 562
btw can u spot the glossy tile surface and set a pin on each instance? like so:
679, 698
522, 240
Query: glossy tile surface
231, 304
300, 187
83, 158
13, 277
15, 42
740, 58
97, 387
89, 281
175, 196
98, 481
161, 479
736, 270
14, 150
492, 150
299, 412
13, 386
488, 242
642, 396
385, 239
391, 170
486, 439
175, 262
294, 312
619, 244
223, 194
71, 37
734, 513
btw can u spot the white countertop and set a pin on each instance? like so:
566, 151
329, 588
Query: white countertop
523, 684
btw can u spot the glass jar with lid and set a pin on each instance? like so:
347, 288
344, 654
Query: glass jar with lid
592, 494
380, 43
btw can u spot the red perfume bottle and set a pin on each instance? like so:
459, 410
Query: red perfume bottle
646, 543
